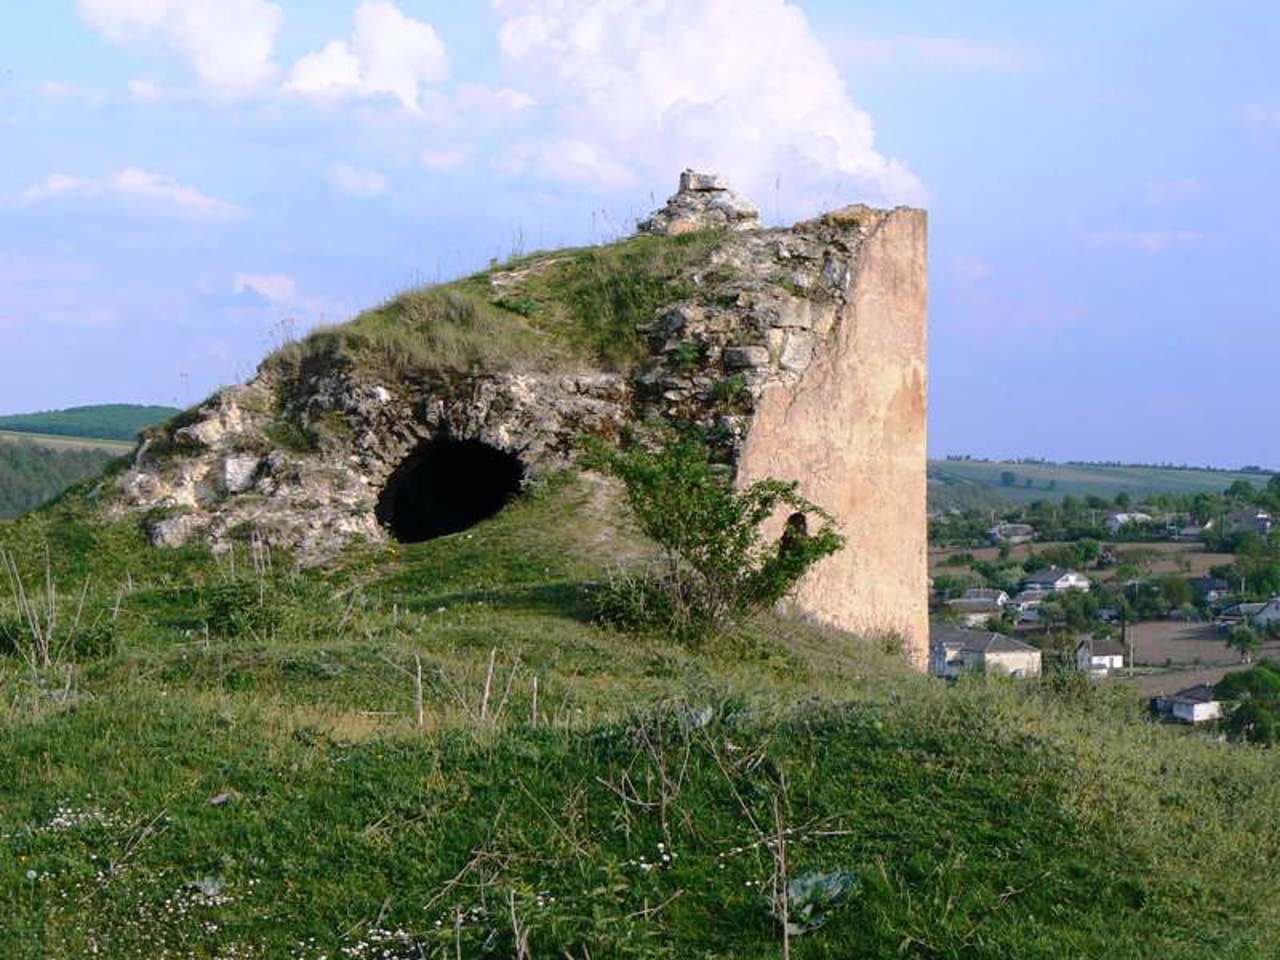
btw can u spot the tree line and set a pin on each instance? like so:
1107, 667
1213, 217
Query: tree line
32, 474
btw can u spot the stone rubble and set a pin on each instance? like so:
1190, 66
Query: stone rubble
704, 201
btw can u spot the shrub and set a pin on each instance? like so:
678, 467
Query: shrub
239, 607
717, 567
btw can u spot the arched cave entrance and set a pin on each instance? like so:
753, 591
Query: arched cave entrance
446, 486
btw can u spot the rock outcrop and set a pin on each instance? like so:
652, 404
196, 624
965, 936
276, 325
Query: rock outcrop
799, 351
704, 201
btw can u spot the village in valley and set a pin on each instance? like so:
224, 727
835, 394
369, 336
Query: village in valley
1171, 594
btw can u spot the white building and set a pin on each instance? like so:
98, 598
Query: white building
1250, 520
1012, 533
1192, 705
954, 651
1118, 521
974, 611
1099, 657
1268, 615
987, 593
1057, 580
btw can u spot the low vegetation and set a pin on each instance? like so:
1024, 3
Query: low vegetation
436, 751
717, 568
543, 310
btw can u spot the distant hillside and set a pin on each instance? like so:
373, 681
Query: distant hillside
112, 421
985, 483
34, 473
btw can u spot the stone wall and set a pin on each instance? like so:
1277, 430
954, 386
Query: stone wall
852, 430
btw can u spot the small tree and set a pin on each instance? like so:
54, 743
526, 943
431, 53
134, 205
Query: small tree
1245, 641
717, 567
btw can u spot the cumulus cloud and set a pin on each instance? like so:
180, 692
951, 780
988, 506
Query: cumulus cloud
278, 289
229, 44
1147, 241
357, 182
637, 89
152, 192
388, 54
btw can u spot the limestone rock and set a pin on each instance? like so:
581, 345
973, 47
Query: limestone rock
703, 201
239, 471
173, 531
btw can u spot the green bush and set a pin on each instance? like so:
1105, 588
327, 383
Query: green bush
240, 608
717, 567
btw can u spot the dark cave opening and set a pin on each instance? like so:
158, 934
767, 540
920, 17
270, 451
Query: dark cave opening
446, 486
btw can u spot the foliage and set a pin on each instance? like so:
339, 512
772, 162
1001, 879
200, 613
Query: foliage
116, 421
810, 899
1245, 641
717, 568
1254, 695
32, 474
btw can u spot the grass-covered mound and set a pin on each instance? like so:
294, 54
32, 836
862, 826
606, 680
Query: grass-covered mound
237, 767
568, 308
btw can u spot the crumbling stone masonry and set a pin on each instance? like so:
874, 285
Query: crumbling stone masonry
802, 351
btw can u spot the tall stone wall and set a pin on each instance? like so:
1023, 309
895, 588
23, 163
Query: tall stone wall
852, 430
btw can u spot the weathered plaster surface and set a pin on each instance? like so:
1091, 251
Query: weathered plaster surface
853, 432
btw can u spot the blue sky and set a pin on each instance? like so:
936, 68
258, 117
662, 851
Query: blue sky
180, 176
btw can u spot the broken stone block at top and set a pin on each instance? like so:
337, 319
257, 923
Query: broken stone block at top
704, 201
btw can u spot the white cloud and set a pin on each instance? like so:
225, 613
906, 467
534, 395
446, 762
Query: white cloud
1147, 241
445, 159
943, 53
490, 101
388, 54
228, 43
1161, 192
1261, 116
279, 289
152, 192
638, 89
971, 269
356, 182
60, 92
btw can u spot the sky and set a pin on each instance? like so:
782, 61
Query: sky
186, 183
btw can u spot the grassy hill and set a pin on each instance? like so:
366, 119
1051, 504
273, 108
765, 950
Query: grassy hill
979, 483
116, 421
239, 766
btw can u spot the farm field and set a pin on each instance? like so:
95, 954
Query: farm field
109, 421
1152, 559
120, 447
1158, 642
1196, 647
974, 483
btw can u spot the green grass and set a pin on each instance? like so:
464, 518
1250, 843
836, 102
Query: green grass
978, 483
985, 820
114, 421
543, 311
